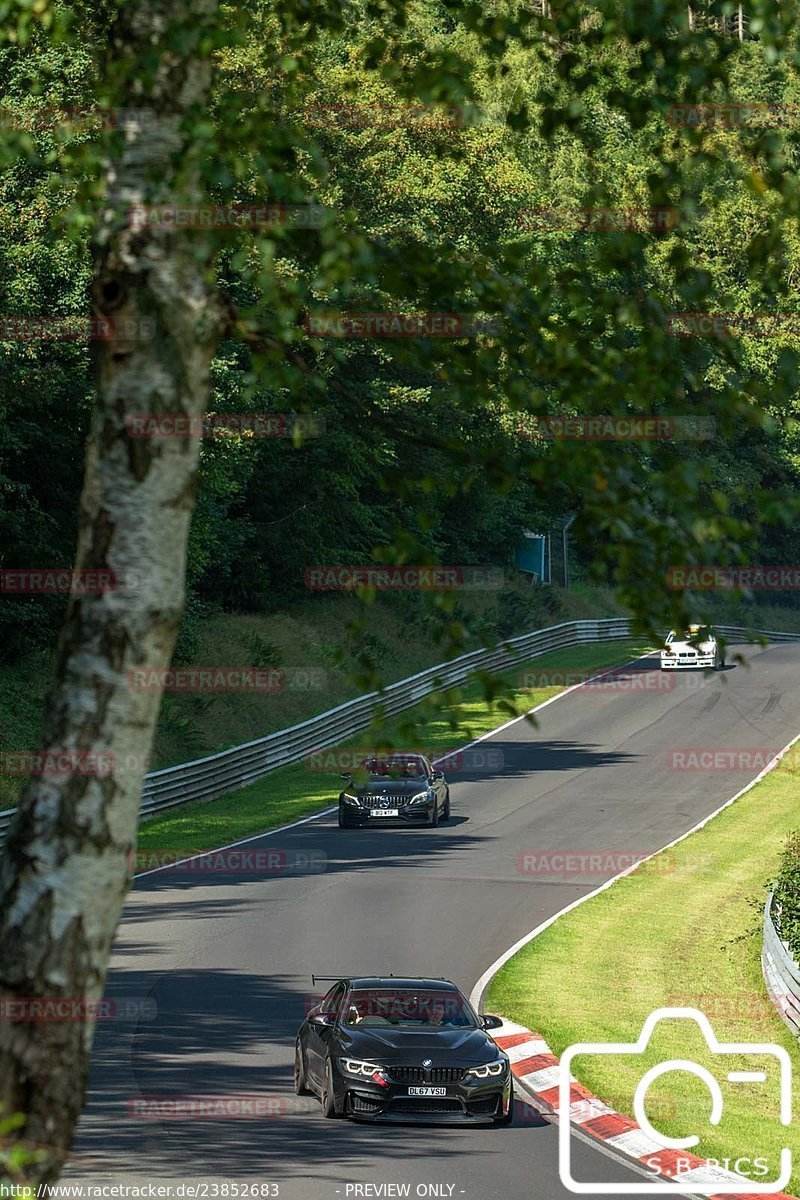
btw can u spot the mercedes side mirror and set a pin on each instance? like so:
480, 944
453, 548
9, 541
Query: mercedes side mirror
437, 774
490, 1022
345, 775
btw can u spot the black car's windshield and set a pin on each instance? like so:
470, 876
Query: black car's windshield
395, 768
401, 1007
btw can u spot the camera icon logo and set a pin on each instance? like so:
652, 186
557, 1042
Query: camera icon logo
695, 1186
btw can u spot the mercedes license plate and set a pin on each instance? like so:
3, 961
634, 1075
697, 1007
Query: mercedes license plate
384, 812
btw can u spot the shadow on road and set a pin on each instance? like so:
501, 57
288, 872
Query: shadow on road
369, 848
208, 1040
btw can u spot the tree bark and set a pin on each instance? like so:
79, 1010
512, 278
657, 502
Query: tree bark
65, 871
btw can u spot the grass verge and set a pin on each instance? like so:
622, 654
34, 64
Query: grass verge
295, 791
314, 634
688, 936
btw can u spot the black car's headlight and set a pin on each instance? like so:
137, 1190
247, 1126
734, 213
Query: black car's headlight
488, 1070
422, 797
362, 1070
351, 800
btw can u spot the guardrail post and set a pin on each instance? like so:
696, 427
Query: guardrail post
781, 973
218, 774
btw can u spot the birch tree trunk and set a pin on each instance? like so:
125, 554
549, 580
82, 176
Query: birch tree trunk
65, 871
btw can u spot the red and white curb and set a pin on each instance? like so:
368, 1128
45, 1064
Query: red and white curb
538, 1071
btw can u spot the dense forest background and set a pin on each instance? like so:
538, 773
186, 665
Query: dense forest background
403, 461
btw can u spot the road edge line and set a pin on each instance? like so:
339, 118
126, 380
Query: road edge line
326, 812
476, 995
536, 1071
478, 991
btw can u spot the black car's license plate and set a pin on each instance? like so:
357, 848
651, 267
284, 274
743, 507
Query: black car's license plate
427, 1091
384, 812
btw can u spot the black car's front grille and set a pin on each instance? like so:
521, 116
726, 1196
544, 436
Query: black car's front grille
426, 1104
420, 1075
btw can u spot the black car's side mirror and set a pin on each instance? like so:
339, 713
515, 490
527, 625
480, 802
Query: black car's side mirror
490, 1022
322, 1020
345, 775
437, 774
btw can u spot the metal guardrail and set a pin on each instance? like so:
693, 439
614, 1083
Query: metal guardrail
5, 821
228, 770
781, 972
235, 768
772, 635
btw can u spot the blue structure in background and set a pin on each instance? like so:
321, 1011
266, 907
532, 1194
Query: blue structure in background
530, 556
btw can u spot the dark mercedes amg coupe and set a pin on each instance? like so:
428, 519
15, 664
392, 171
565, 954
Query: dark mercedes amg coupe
402, 788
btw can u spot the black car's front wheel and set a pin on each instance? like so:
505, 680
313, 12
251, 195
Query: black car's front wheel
446, 809
343, 821
435, 813
330, 1107
506, 1118
300, 1086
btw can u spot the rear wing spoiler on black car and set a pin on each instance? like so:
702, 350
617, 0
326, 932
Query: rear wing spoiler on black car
315, 979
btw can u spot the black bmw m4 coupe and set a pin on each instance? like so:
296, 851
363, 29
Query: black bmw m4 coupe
403, 1050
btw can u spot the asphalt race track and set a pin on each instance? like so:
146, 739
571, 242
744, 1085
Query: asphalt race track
227, 958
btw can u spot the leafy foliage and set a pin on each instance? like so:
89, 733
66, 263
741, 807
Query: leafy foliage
429, 133
787, 892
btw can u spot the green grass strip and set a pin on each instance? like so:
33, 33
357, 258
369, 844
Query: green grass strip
292, 792
687, 933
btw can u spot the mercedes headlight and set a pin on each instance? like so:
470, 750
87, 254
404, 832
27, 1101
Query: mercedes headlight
422, 797
351, 800
488, 1070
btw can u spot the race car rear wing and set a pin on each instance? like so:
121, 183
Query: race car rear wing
315, 979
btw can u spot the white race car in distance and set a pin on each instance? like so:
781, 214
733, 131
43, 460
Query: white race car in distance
697, 648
